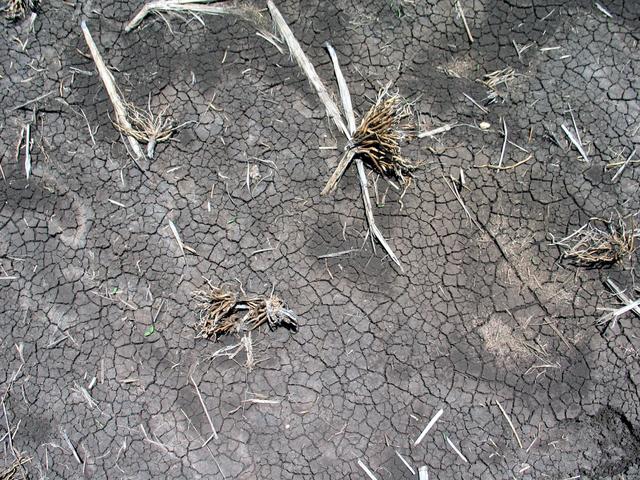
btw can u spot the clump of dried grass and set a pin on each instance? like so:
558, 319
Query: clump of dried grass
146, 126
601, 242
377, 141
380, 133
223, 312
17, 9
496, 79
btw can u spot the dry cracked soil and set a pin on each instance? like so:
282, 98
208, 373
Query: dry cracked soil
484, 315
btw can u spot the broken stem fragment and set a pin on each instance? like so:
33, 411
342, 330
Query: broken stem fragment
110, 85
243, 10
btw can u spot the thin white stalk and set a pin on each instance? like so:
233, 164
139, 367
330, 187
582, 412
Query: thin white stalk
345, 96
112, 91
431, 423
362, 175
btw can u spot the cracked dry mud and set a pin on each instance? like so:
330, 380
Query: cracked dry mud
482, 313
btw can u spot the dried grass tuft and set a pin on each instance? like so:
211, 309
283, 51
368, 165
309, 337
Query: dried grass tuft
15, 10
377, 141
380, 133
224, 312
601, 242
496, 79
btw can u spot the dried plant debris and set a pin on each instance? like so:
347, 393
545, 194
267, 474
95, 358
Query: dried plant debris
380, 133
497, 79
345, 120
136, 124
378, 139
146, 126
241, 9
601, 242
223, 312
15, 10
15, 470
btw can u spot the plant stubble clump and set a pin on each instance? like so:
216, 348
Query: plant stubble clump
223, 312
378, 138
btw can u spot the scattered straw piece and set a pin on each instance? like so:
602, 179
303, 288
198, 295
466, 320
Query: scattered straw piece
174, 230
15, 10
624, 165
464, 20
603, 10
576, 142
367, 471
504, 143
406, 464
430, 133
16, 468
27, 150
513, 429
507, 167
621, 295
496, 79
214, 433
431, 423
455, 449
423, 473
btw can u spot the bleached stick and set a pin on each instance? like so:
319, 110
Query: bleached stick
367, 471
431, 423
406, 464
513, 429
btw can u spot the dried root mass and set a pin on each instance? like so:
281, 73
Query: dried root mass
378, 138
225, 312
601, 242
146, 126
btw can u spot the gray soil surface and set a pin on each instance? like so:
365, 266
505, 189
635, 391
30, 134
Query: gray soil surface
483, 313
